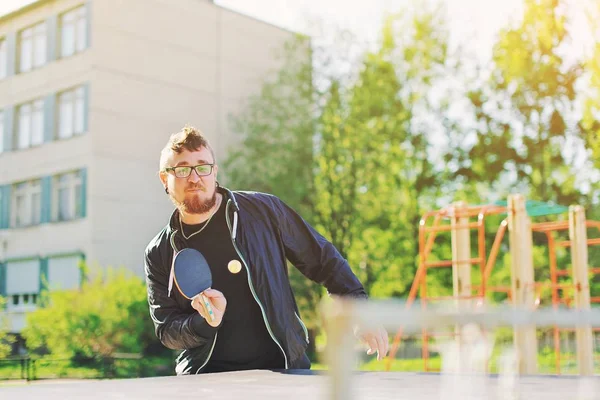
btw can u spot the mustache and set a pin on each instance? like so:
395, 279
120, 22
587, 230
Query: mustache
195, 187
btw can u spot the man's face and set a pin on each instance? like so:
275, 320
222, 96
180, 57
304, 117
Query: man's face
193, 194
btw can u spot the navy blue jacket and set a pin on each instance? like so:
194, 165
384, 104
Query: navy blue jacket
265, 232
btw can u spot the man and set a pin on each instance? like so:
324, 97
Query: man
246, 237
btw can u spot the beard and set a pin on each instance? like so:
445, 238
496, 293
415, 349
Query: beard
195, 205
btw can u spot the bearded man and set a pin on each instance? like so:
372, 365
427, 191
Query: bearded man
247, 239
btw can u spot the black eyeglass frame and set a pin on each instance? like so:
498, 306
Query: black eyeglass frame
171, 170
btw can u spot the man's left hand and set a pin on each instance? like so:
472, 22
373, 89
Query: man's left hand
377, 339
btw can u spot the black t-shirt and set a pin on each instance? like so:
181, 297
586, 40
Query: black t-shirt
243, 341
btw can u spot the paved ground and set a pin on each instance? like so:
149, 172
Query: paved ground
265, 385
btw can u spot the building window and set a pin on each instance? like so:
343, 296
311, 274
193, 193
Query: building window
71, 109
73, 32
32, 47
27, 203
3, 58
23, 284
67, 198
64, 272
30, 124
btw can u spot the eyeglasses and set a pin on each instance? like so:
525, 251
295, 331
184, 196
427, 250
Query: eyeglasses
185, 171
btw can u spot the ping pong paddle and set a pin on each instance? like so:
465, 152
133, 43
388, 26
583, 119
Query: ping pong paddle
192, 277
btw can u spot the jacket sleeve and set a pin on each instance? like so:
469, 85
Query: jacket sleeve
315, 256
174, 327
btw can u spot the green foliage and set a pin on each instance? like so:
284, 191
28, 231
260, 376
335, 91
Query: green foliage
108, 315
6, 339
274, 154
374, 173
524, 110
591, 118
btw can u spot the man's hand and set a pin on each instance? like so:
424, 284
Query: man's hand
217, 301
377, 339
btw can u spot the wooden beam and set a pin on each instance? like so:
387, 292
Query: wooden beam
579, 258
522, 280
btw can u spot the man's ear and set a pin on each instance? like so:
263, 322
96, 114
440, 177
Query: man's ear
163, 178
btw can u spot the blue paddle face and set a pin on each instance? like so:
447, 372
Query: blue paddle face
192, 273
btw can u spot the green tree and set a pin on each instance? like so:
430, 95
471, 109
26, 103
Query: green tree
108, 315
526, 136
276, 128
374, 171
6, 339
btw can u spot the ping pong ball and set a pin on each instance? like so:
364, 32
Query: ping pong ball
234, 266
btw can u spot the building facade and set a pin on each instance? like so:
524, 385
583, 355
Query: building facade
89, 92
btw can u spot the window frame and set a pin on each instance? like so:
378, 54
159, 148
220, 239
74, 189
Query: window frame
73, 182
36, 109
33, 33
16, 300
32, 206
74, 99
78, 21
3, 57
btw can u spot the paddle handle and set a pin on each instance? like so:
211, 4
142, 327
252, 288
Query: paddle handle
207, 307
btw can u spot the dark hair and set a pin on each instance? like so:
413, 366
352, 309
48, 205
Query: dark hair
190, 139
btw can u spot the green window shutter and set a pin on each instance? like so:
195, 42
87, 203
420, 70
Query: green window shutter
43, 274
46, 199
49, 117
11, 53
9, 126
86, 107
83, 197
2, 280
51, 37
82, 270
5, 206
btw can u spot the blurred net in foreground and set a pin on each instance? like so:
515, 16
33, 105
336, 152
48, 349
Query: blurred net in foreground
469, 352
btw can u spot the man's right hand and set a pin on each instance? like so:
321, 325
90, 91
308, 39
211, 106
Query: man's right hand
217, 301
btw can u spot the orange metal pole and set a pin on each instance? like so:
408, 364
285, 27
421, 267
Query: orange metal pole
424, 249
430, 239
495, 249
481, 251
447, 228
437, 264
425, 347
553, 226
592, 224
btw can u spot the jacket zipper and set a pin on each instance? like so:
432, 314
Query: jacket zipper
303, 327
209, 353
252, 287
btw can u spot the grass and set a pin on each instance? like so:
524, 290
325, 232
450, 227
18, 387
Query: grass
61, 368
